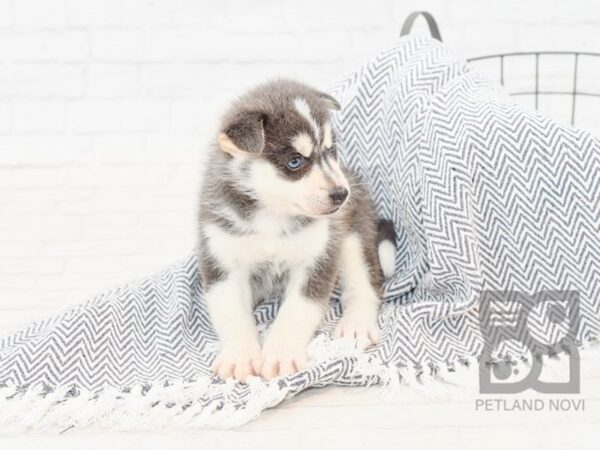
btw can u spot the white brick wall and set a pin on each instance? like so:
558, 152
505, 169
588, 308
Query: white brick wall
106, 107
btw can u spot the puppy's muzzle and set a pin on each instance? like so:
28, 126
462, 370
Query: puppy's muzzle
338, 196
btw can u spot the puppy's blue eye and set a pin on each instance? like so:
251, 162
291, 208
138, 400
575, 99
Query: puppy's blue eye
296, 163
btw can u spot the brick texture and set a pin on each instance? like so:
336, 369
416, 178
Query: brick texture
107, 108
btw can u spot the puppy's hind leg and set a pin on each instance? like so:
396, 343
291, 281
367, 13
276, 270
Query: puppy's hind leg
360, 296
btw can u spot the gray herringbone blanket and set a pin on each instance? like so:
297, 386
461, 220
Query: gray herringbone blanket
485, 196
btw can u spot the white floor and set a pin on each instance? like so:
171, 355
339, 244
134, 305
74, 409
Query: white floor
361, 418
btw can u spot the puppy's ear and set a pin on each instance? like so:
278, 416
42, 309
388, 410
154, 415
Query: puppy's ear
243, 134
331, 102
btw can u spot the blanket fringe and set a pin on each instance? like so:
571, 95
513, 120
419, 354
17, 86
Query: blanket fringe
172, 405
460, 381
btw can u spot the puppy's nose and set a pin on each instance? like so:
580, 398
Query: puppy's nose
338, 196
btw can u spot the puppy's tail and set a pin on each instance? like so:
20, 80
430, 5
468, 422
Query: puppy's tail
386, 247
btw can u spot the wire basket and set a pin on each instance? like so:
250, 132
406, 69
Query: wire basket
501, 60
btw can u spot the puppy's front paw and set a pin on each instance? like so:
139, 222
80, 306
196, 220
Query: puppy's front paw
280, 358
238, 362
362, 328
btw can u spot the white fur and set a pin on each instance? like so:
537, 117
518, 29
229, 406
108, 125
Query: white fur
327, 135
359, 299
303, 144
331, 168
303, 109
387, 258
269, 243
327, 169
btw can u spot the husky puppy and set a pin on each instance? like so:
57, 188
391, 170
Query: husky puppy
278, 215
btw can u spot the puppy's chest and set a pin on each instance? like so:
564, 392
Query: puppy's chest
281, 244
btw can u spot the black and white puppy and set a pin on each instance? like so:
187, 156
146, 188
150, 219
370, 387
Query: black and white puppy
279, 215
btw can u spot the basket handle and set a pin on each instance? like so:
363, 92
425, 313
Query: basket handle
410, 20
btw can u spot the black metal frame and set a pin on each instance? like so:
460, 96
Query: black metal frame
574, 93
502, 57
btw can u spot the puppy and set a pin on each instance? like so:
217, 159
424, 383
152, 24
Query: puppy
279, 216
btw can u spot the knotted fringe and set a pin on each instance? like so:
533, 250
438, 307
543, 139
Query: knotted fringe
173, 405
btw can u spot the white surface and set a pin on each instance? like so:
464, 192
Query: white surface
106, 107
